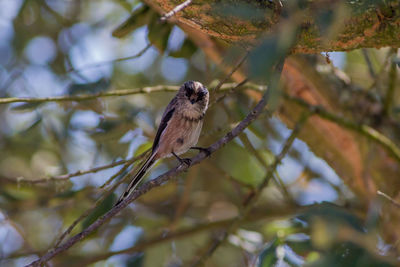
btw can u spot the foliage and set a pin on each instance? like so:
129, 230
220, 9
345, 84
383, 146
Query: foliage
309, 214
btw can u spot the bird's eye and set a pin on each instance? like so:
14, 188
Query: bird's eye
200, 96
189, 91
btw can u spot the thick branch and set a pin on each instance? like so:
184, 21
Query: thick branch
350, 24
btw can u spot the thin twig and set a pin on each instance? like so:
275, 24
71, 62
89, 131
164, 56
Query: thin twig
102, 198
363, 129
258, 109
176, 10
229, 92
394, 202
253, 197
371, 70
82, 97
95, 65
249, 146
228, 76
59, 178
121, 92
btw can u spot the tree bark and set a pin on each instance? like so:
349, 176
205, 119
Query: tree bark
324, 25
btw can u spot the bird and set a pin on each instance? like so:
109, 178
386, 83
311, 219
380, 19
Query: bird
179, 130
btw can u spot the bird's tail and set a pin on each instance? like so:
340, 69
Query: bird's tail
137, 178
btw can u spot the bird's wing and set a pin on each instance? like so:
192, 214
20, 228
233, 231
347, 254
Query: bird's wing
169, 111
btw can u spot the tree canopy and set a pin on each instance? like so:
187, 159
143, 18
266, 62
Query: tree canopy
302, 129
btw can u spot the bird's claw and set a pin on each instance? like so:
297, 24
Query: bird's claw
186, 161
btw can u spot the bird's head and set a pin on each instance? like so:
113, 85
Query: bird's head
195, 95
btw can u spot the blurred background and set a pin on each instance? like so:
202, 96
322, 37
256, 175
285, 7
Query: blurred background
306, 216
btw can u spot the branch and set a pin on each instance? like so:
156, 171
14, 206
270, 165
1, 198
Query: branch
240, 62
122, 92
363, 129
258, 109
253, 198
394, 202
59, 178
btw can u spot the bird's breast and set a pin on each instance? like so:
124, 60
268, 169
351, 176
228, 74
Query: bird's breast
179, 136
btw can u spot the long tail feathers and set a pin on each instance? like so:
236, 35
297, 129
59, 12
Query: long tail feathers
137, 178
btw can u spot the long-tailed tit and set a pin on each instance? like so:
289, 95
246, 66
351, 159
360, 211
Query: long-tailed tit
179, 129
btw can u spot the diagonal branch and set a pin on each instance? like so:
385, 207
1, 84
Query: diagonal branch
258, 109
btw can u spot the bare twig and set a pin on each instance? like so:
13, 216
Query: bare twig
95, 65
371, 70
394, 202
258, 109
59, 178
387, 104
249, 146
176, 10
121, 92
237, 66
82, 97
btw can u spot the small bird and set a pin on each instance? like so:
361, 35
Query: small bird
179, 129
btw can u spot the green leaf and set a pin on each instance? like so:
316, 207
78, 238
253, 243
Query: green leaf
139, 17
187, 50
100, 210
158, 34
245, 168
349, 254
268, 256
332, 213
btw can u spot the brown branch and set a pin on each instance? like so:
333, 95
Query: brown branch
394, 202
258, 109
